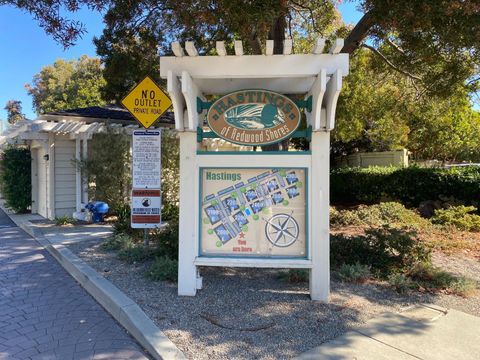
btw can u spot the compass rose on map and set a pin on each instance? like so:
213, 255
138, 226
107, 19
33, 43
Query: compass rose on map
281, 230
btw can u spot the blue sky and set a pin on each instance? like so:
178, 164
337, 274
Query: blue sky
25, 49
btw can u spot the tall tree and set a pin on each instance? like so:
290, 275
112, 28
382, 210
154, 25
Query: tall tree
14, 111
67, 84
379, 110
135, 29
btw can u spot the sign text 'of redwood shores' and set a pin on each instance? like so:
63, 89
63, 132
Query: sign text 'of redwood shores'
147, 102
254, 117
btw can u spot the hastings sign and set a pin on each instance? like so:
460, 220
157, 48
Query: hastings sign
254, 117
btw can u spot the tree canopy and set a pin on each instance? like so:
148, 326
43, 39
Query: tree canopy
414, 63
67, 85
379, 111
434, 42
14, 111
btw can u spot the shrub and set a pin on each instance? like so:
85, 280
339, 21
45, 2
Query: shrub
163, 268
459, 216
122, 224
64, 220
170, 212
16, 178
410, 186
464, 286
387, 213
401, 283
118, 242
294, 275
167, 240
386, 250
135, 253
354, 273
433, 278
107, 167
170, 174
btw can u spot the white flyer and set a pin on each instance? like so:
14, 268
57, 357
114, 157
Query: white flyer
146, 159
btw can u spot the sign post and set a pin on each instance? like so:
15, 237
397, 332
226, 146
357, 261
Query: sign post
146, 102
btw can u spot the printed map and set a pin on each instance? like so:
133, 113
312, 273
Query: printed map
253, 212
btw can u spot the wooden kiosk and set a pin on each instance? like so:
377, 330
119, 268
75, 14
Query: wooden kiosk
265, 209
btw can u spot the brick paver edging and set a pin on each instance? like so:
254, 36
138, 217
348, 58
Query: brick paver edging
120, 306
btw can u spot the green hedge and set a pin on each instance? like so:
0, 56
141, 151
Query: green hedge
409, 186
16, 178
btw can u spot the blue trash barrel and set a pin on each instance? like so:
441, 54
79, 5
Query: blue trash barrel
98, 209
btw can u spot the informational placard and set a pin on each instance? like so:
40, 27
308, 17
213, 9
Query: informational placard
146, 159
253, 212
146, 207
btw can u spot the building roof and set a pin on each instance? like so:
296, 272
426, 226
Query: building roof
107, 112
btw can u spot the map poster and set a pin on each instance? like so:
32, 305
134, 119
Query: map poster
146, 166
253, 212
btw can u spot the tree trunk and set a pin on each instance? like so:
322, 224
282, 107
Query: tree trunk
358, 34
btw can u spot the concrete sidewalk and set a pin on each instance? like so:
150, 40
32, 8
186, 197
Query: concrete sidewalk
37, 226
421, 332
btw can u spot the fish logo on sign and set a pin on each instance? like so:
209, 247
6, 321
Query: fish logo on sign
254, 117
147, 102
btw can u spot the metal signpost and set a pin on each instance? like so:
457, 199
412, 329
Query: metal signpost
146, 102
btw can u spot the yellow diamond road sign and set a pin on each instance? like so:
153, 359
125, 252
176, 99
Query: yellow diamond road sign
147, 102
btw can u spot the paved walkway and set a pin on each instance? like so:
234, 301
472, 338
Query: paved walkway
420, 333
45, 314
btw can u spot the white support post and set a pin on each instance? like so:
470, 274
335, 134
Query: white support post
188, 229
319, 45
319, 202
269, 47
78, 177
337, 46
238, 47
51, 177
220, 45
85, 181
178, 101
317, 92
177, 49
332, 93
287, 46
190, 92
34, 153
191, 49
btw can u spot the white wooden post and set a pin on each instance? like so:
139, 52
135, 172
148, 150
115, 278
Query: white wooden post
78, 177
188, 232
51, 177
320, 202
85, 180
35, 152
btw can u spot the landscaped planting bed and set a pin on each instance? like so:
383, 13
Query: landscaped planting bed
254, 314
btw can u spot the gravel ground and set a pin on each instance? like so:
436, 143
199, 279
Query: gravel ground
251, 314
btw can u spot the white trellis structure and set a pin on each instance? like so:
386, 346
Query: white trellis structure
317, 75
55, 143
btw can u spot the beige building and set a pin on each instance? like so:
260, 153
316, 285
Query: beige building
57, 140
381, 158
